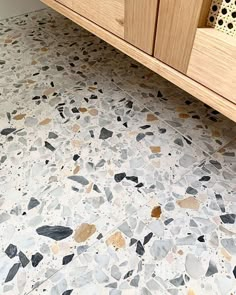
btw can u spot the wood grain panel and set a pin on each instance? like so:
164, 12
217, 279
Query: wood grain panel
108, 14
176, 28
67, 3
206, 5
203, 93
140, 23
213, 62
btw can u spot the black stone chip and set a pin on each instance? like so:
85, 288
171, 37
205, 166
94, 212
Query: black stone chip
145, 127
216, 164
23, 259
162, 130
11, 251
149, 133
49, 146
52, 135
139, 185
147, 238
99, 237
76, 157
129, 274
36, 258
179, 142
201, 239
12, 272
188, 102
96, 189
67, 259
7, 131
192, 191
119, 177
168, 221
56, 233
228, 218
105, 133
129, 104
205, 178
234, 272
59, 68
91, 133
132, 178
36, 97
33, 203
140, 249
140, 136
67, 292
45, 68
188, 139
132, 242
93, 96
75, 110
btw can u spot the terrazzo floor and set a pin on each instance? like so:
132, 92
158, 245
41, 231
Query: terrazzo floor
112, 180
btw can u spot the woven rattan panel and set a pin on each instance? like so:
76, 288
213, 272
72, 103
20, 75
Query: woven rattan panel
222, 16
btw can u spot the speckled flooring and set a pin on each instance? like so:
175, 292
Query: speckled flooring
112, 180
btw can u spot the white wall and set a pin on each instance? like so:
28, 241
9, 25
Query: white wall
10, 8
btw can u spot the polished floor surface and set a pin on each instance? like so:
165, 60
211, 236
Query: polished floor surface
112, 180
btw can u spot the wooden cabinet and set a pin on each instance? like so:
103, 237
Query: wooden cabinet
204, 54
131, 20
176, 28
213, 62
169, 37
67, 3
108, 14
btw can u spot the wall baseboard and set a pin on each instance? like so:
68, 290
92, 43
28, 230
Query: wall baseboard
9, 8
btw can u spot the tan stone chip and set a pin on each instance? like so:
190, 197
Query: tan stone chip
76, 170
93, 112
151, 117
155, 149
189, 203
116, 240
83, 110
156, 212
45, 121
84, 232
19, 117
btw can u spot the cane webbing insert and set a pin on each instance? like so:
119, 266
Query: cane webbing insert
222, 16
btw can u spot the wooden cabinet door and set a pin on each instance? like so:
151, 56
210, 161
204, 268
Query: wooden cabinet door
131, 20
177, 24
140, 23
108, 14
